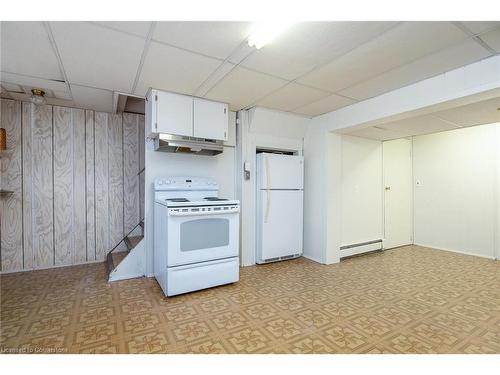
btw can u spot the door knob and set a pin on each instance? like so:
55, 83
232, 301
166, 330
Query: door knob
387, 188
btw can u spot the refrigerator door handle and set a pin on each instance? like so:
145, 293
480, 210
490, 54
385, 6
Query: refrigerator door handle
268, 174
268, 193
268, 203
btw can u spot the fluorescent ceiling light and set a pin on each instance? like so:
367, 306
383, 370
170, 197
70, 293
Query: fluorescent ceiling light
264, 32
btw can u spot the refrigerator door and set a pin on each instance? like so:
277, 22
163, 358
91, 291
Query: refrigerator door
279, 223
276, 171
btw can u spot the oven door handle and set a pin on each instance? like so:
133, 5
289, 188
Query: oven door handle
203, 213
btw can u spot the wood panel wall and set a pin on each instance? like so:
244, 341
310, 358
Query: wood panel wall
11, 208
76, 183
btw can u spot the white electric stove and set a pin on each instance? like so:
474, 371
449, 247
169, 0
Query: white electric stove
196, 240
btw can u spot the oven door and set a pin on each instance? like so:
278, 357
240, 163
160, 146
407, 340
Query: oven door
199, 236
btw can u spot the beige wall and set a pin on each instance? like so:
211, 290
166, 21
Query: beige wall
361, 182
456, 198
74, 174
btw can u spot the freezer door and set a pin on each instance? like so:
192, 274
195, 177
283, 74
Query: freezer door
276, 171
279, 223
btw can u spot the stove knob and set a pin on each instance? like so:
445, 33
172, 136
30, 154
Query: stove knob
160, 182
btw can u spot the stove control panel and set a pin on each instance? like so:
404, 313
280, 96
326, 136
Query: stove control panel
198, 211
185, 183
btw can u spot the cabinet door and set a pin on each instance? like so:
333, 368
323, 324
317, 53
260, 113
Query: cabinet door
174, 114
210, 119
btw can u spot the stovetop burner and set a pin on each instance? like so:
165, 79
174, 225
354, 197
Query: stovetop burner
177, 200
214, 199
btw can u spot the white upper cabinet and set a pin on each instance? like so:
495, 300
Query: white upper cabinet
174, 113
184, 115
211, 119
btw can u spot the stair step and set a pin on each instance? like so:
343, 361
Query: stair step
134, 240
128, 243
109, 262
118, 257
115, 257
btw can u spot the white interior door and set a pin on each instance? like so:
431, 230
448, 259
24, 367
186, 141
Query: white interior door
397, 165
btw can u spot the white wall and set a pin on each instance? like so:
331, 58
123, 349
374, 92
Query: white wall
455, 207
362, 199
322, 193
315, 194
497, 187
258, 127
160, 164
343, 192
334, 197
468, 84
322, 234
261, 128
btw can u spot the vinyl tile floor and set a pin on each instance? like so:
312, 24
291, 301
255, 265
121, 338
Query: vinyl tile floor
406, 300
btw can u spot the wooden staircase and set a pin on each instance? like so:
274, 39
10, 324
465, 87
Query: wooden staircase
116, 257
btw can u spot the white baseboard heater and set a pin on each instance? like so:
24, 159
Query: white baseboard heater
360, 248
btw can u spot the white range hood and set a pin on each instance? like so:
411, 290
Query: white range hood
190, 145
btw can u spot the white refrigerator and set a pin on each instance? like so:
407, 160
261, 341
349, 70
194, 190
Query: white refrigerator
280, 204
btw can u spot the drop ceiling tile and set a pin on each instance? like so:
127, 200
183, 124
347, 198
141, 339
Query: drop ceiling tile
215, 77
173, 69
92, 98
11, 87
96, 56
396, 47
492, 39
50, 100
142, 89
61, 102
4, 93
21, 96
216, 39
308, 44
478, 27
139, 28
442, 61
26, 89
65, 95
418, 126
241, 53
485, 112
291, 96
243, 87
26, 49
377, 134
44, 84
328, 104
